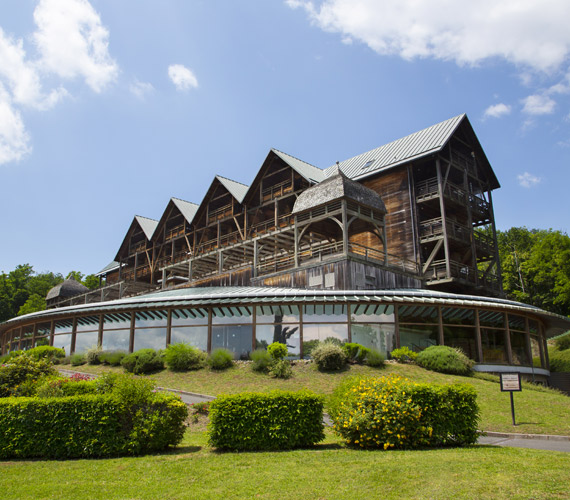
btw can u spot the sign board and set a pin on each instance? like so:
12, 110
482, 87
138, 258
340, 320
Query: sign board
511, 382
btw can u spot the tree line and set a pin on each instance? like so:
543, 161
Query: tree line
535, 267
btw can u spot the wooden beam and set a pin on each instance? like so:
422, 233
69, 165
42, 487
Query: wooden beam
443, 219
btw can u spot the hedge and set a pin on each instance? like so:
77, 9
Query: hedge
88, 426
276, 420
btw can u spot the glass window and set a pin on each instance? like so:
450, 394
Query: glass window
87, 323
63, 341
150, 338
325, 313
85, 341
236, 338
457, 316
418, 337
26, 344
493, 343
145, 319
493, 319
231, 315
313, 334
116, 340
41, 341
532, 326
277, 314
372, 313
517, 322
417, 314
377, 336
535, 348
518, 347
462, 338
63, 326
196, 336
197, 316
116, 321
286, 334
28, 331
44, 329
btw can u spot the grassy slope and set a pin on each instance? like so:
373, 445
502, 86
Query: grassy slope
538, 411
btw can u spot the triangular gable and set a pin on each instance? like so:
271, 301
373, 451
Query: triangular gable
187, 208
236, 189
146, 225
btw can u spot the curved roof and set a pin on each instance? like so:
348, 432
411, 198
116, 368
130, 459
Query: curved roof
68, 288
336, 187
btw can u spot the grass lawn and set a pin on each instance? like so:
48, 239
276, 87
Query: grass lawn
326, 471
538, 410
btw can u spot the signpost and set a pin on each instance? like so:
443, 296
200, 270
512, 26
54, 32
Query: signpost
511, 382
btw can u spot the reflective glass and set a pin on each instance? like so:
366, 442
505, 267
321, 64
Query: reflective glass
63, 326
26, 344
85, 341
286, 334
457, 316
197, 316
535, 348
518, 348
41, 341
493, 343
196, 336
236, 338
277, 314
517, 322
231, 315
381, 337
463, 338
63, 341
87, 323
417, 314
532, 326
43, 329
418, 337
116, 321
372, 313
493, 319
150, 338
150, 318
28, 331
116, 340
313, 334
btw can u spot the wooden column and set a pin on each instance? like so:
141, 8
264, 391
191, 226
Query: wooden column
132, 332
396, 326
73, 335
443, 218
344, 228
100, 331
497, 259
478, 340
508, 340
440, 337
168, 327
296, 248
470, 226
255, 258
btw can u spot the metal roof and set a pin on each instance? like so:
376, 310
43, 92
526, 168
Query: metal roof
187, 208
189, 297
308, 171
147, 225
236, 189
111, 266
413, 146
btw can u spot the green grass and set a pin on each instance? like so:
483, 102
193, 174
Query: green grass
538, 410
326, 471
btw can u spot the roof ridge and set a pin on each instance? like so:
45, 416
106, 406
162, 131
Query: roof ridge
298, 159
185, 201
147, 218
231, 180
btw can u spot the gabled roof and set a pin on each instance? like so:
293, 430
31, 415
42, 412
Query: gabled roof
412, 147
308, 171
236, 189
111, 266
147, 225
68, 288
187, 208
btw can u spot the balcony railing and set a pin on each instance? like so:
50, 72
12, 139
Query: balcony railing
277, 190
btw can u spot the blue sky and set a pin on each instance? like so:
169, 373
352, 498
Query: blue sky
109, 108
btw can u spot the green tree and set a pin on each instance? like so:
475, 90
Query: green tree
34, 303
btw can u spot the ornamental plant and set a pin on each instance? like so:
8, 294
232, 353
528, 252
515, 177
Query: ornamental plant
355, 353
19, 375
143, 361
277, 350
184, 357
220, 359
404, 355
445, 359
46, 352
329, 357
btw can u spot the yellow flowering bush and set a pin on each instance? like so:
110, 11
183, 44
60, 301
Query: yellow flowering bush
395, 413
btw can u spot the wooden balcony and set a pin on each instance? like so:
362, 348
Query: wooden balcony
277, 191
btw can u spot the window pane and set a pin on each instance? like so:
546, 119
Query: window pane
286, 334
150, 338
518, 347
376, 336
535, 348
313, 334
26, 344
116, 340
372, 313
516, 322
417, 314
236, 338
87, 323
196, 336
44, 329
41, 341
231, 315
63, 326
418, 337
493, 319
116, 321
85, 341
457, 316
28, 331
462, 338
532, 326
151, 318
277, 314
197, 316
493, 342
325, 313
63, 342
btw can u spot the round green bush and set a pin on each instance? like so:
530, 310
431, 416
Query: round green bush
374, 358
220, 359
92, 355
184, 357
355, 353
261, 360
281, 368
404, 355
77, 359
46, 352
18, 375
112, 358
143, 361
329, 357
445, 359
277, 350
563, 342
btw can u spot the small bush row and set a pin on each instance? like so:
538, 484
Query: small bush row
272, 421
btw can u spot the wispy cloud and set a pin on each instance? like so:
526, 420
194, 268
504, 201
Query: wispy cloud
528, 180
182, 77
14, 140
497, 110
141, 89
538, 104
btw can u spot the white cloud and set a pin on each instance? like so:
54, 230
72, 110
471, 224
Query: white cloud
527, 180
14, 140
497, 110
72, 42
141, 89
529, 33
182, 77
538, 104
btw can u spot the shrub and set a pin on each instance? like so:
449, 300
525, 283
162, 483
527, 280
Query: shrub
355, 353
57, 387
7, 357
261, 360
77, 359
281, 368
92, 355
559, 360
46, 352
404, 355
19, 375
143, 361
184, 357
112, 358
220, 359
277, 350
445, 359
375, 358
271, 421
329, 357
391, 412
562, 343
